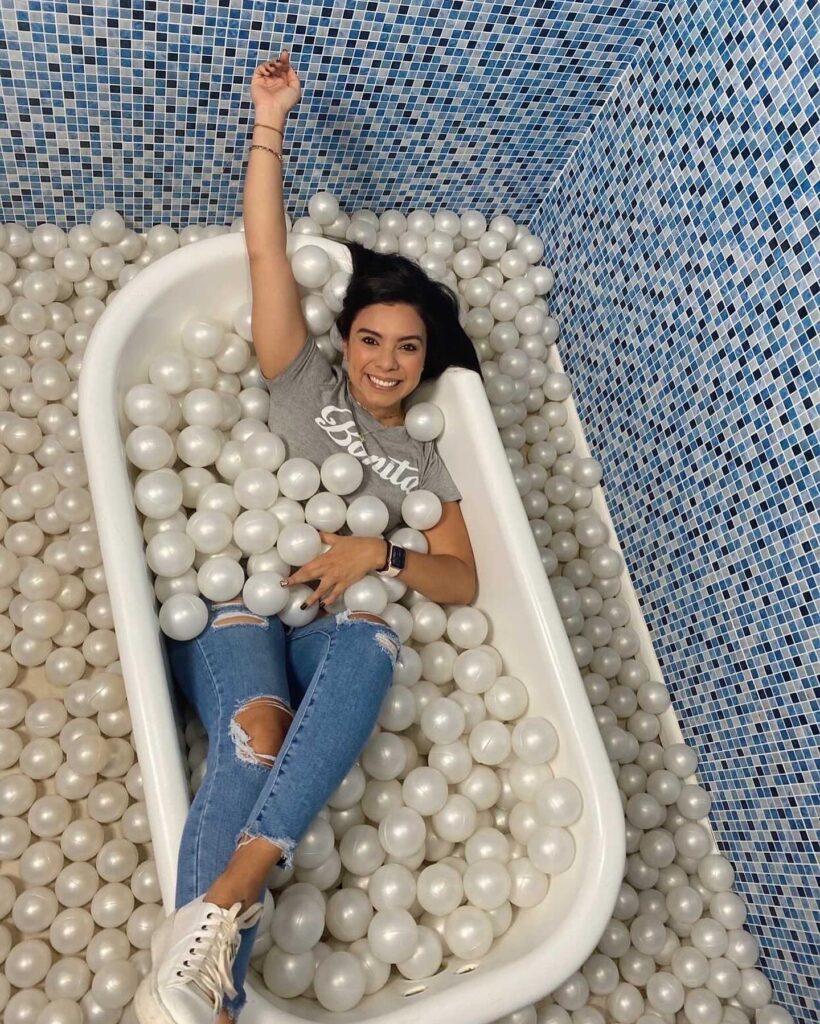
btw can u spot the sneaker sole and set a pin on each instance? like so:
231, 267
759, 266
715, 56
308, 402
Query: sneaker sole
157, 934
147, 1005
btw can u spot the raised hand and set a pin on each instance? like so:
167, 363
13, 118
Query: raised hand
275, 85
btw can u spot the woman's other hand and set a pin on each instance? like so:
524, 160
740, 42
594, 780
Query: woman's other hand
347, 560
275, 85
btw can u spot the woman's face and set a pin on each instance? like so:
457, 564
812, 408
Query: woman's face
388, 341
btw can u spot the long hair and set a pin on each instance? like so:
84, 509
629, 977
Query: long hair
388, 277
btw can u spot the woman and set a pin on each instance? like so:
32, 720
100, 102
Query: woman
289, 708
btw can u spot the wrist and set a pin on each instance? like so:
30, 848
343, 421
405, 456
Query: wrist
382, 550
271, 115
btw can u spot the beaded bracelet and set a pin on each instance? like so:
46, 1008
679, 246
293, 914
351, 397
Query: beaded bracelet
272, 128
256, 145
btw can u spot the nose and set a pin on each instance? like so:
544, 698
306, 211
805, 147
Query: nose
387, 367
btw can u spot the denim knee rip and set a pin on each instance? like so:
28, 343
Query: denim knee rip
242, 743
387, 638
238, 615
246, 753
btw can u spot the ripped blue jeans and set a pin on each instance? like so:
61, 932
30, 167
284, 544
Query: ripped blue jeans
330, 675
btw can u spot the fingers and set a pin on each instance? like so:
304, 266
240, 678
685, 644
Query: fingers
325, 596
305, 572
270, 67
332, 596
312, 600
325, 592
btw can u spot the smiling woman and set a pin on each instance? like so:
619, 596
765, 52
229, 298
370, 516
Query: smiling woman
283, 763
384, 364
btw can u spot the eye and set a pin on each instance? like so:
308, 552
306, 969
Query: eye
412, 345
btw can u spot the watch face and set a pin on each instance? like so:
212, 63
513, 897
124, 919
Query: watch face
399, 557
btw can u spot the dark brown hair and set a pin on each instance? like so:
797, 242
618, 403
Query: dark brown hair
389, 277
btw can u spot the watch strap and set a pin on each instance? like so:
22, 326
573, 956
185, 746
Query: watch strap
386, 565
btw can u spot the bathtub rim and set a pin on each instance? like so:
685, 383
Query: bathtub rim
140, 644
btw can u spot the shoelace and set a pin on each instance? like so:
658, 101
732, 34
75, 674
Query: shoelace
209, 966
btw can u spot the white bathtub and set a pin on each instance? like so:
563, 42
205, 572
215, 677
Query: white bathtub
545, 944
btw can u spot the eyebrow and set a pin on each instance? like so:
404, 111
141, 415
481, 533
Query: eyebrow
407, 337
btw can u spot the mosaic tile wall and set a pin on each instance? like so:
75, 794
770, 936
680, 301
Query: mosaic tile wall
681, 234
684, 236
146, 105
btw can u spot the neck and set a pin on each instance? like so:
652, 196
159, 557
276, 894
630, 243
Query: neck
393, 417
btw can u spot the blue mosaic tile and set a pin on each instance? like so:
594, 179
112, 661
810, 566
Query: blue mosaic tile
146, 106
683, 233
662, 152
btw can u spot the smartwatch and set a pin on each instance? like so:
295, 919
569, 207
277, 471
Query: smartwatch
396, 558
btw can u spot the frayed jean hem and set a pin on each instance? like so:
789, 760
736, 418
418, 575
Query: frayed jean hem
285, 844
236, 1005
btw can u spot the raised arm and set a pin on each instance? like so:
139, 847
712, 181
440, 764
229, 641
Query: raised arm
277, 323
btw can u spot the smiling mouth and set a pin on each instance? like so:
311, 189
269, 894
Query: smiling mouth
382, 383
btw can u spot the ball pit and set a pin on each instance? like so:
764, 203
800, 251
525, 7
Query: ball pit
674, 948
531, 646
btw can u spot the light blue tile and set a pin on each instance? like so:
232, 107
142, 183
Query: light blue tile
683, 234
679, 214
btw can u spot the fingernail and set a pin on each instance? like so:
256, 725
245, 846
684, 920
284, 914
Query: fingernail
283, 583
303, 605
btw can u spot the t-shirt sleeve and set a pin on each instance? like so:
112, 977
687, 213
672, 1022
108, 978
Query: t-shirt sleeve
308, 370
437, 479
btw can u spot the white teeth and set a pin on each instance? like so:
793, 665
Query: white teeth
382, 384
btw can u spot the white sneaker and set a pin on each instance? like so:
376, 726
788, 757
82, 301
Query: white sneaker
192, 954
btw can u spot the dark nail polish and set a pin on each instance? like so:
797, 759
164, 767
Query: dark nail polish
303, 605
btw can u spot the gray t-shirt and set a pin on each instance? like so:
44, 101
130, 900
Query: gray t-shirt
314, 413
